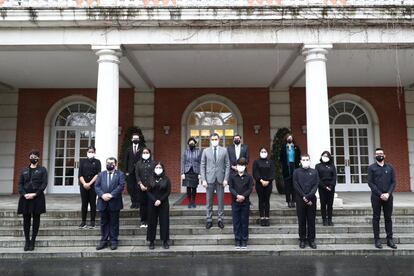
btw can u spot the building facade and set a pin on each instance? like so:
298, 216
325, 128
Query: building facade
76, 73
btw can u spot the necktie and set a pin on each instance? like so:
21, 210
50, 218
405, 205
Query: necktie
215, 154
109, 180
135, 149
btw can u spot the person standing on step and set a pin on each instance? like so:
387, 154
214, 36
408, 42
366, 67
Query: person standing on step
143, 172
264, 173
327, 181
305, 182
190, 170
290, 159
109, 187
158, 206
132, 156
214, 174
32, 203
381, 180
236, 151
88, 173
241, 186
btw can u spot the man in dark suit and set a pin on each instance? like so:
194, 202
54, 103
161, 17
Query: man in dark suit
132, 156
109, 187
236, 151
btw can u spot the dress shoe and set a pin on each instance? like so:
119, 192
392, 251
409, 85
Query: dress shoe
293, 204
330, 223
378, 244
391, 243
209, 225
92, 225
302, 244
102, 245
324, 222
267, 222
26, 246
237, 244
82, 225
151, 245
194, 205
221, 224
262, 222
243, 245
189, 206
114, 246
166, 245
312, 244
32, 245
289, 205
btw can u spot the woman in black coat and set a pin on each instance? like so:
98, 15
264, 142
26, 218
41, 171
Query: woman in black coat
158, 206
327, 181
32, 203
264, 173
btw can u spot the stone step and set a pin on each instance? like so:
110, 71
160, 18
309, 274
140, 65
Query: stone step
192, 240
221, 250
132, 230
200, 211
200, 220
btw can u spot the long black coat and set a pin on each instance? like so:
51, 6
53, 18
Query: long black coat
284, 160
35, 183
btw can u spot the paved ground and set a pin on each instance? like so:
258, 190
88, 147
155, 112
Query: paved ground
209, 265
350, 200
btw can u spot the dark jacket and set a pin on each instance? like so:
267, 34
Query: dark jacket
244, 152
305, 182
131, 159
241, 185
88, 168
159, 190
264, 169
191, 159
115, 188
144, 170
381, 179
327, 175
34, 183
284, 159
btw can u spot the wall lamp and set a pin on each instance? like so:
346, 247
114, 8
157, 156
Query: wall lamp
166, 130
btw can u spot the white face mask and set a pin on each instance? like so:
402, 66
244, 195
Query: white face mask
305, 164
214, 143
90, 155
146, 156
325, 159
263, 155
240, 168
158, 171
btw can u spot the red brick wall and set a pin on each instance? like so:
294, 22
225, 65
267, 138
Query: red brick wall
170, 104
390, 108
34, 104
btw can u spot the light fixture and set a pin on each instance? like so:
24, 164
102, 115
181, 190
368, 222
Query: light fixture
166, 130
304, 129
257, 129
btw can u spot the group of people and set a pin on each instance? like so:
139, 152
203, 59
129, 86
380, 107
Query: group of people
215, 167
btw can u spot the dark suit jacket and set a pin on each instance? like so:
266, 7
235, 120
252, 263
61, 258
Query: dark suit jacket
131, 159
115, 188
244, 152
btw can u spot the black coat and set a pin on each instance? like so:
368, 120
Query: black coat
244, 152
131, 159
34, 183
284, 160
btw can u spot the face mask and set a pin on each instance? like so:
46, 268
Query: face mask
110, 167
236, 142
240, 168
34, 160
158, 171
146, 156
325, 159
380, 158
192, 146
214, 143
305, 164
289, 140
90, 155
263, 155
135, 141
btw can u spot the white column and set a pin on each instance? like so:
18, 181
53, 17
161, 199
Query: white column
317, 113
107, 102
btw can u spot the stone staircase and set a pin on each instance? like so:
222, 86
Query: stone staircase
59, 235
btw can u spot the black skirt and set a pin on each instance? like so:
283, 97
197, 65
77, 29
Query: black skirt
32, 206
191, 180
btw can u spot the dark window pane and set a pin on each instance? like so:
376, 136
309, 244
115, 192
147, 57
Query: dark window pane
58, 181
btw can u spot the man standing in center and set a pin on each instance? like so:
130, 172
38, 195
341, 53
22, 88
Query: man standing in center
214, 173
236, 151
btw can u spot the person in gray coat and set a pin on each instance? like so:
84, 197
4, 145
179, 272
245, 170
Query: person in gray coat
214, 174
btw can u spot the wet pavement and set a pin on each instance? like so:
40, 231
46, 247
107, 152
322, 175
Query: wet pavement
214, 265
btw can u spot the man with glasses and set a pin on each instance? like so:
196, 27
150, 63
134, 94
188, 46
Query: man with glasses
214, 174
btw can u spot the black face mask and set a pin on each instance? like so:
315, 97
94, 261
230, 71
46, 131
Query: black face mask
289, 141
380, 158
110, 167
136, 142
34, 160
192, 146
236, 142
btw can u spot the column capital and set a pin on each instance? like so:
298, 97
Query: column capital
108, 53
315, 51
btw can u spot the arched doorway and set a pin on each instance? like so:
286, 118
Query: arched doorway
73, 130
351, 144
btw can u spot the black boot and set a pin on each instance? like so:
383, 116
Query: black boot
32, 244
193, 199
27, 245
330, 223
324, 222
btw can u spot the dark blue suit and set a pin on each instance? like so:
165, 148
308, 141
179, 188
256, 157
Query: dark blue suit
109, 210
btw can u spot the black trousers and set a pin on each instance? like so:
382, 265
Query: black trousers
143, 206
327, 199
240, 214
191, 194
109, 226
387, 207
27, 221
132, 188
306, 218
264, 198
161, 213
88, 197
289, 189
